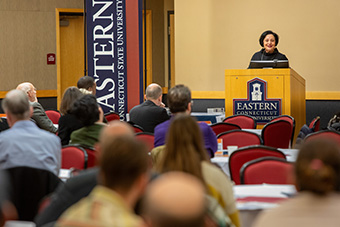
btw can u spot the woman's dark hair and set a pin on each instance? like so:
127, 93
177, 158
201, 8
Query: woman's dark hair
86, 110
317, 168
71, 94
264, 34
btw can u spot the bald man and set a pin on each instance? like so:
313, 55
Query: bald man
175, 199
39, 115
80, 186
151, 112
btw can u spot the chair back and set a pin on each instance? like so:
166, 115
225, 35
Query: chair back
325, 134
246, 154
220, 127
315, 124
242, 120
277, 134
137, 128
92, 159
291, 120
29, 187
112, 116
73, 156
239, 138
148, 138
269, 170
53, 115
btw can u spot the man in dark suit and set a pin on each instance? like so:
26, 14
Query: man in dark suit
151, 112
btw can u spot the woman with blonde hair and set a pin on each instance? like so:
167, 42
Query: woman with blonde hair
184, 151
317, 173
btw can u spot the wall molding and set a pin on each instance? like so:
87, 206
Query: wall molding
40, 93
322, 95
310, 95
208, 94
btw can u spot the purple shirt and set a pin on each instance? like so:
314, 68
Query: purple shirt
210, 140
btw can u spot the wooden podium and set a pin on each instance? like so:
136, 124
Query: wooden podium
285, 86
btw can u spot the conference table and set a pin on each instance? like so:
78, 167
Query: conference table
253, 199
291, 155
209, 118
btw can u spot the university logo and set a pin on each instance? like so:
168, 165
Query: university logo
257, 104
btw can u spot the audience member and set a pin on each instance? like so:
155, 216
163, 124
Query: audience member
39, 115
124, 175
87, 85
86, 109
24, 144
151, 112
334, 123
317, 175
81, 185
179, 101
184, 152
175, 199
68, 121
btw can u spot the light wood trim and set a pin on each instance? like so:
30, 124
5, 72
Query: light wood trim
148, 23
165, 90
69, 10
172, 50
46, 93
322, 95
57, 11
208, 95
40, 93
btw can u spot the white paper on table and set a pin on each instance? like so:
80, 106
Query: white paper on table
255, 205
264, 190
65, 173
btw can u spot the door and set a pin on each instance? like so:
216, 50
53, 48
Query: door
70, 49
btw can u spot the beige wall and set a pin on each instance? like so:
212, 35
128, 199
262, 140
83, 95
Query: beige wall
28, 33
214, 35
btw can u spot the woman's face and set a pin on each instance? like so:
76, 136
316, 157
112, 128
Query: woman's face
269, 43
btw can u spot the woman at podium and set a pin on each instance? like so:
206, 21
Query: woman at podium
268, 40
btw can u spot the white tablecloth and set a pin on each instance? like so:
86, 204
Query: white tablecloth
249, 201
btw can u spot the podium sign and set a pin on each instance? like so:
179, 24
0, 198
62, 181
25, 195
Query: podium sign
257, 104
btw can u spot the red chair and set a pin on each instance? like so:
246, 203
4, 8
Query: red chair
269, 170
73, 156
137, 128
315, 124
246, 154
277, 134
242, 120
53, 116
326, 134
112, 116
148, 138
218, 128
91, 156
239, 138
291, 120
